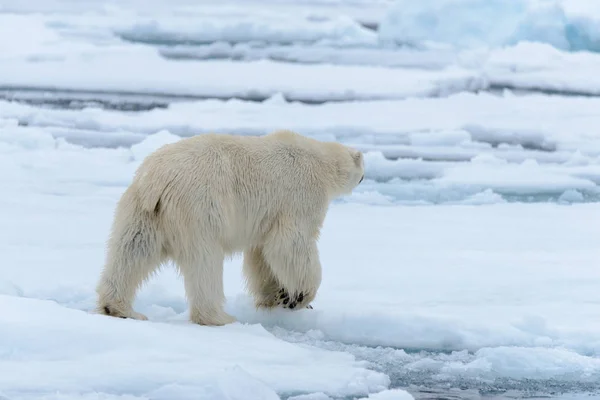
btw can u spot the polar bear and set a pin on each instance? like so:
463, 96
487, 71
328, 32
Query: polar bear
206, 197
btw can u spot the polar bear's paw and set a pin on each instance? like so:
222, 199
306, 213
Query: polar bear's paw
297, 301
118, 313
214, 318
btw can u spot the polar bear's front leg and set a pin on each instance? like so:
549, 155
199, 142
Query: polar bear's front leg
294, 261
203, 280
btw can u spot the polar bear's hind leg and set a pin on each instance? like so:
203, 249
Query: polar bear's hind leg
202, 271
134, 253
260, 280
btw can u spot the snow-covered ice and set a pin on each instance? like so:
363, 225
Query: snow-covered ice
541, 67
46, 343
515, 296
464, 265
73, 47
534, 122
516, 302
150, 74
432, 149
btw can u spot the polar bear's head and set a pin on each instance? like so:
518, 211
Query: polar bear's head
340, 167
350, 167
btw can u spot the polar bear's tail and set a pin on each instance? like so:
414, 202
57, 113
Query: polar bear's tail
135, 250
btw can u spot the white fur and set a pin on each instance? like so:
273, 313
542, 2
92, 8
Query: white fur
201, 199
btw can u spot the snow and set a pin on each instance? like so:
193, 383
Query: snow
147, 73
444, 150
463, 266
459, 126
538, 66
249, 28
313, 53
407, 298
208, 363
394, 394
71, 49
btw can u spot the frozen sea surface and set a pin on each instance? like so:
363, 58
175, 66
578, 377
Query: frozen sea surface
463, 267
466, 147
489, 297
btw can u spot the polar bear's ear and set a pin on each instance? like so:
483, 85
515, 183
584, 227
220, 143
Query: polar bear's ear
357, 156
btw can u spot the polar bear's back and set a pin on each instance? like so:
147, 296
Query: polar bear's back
227, 181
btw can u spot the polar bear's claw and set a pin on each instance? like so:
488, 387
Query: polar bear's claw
115, 312
286, 301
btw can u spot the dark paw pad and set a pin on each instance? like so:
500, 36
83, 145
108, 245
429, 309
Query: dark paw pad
284, 299
108, 311
290, 302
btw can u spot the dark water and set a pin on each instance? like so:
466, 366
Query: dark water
472, 394
506, 389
